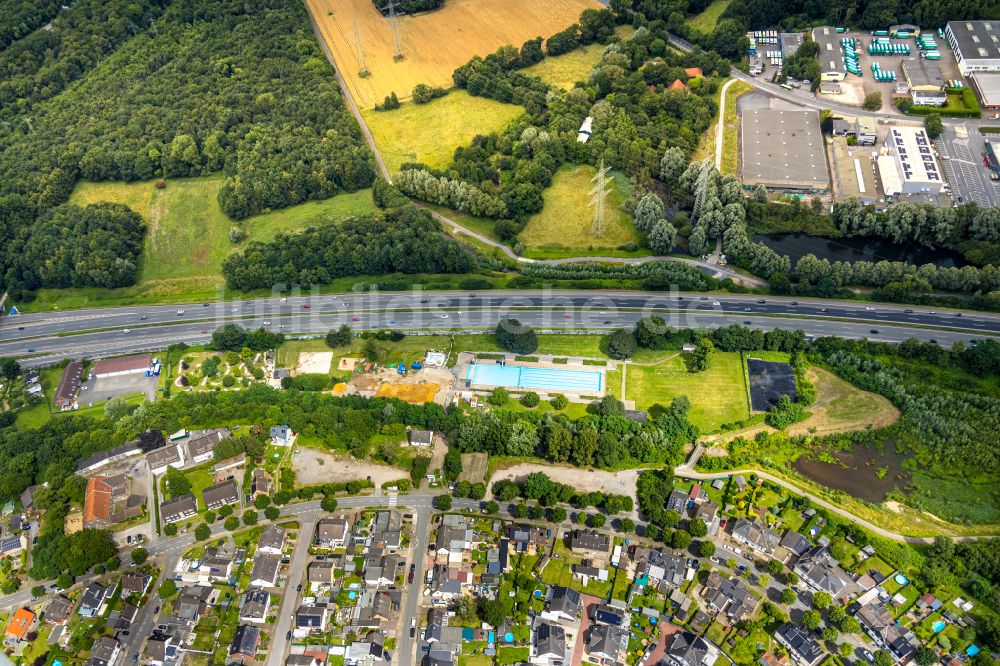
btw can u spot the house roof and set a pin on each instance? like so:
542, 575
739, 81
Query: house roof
93, 596
205, 442
421, 436
693, 72
795, 542
221, 493
177, 508
104, 648
58, 609
135, 582
20, 622
819, 569
332, 529
565, 599
265, 568
255, 603
69, 384
273, 536
168, 455
229, 463
729, 596
321, 572
550, 640
590, 540
677, 501
799, 643
245, 640
607, 640
107, 366
97, 501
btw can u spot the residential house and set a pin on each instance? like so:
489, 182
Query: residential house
821, 573
803, 650
311, 618
265, 571
108, 500
104, 652
216, 565
878, 622
320, 573
756, 537
260, 483
69, 386
708, 513
795, 543
58, 610
420, 437
178, 509
435, 625
192, 602
608, 614
254, 607
304, 659
453, 540
28, 497
442, 585
729, 596
282, 435
677, 501
332, 532
590, 542
548, 645
687, 649
607, 642
200, 446
135, 583
170, 455
369, 652
272, 540
12, 546
122, 619
245, 642
387, 529
160, 647
380, 569
221, 494
663, 567
225, 469
589, 569
564, 604
19, 625
525, 536
95, 599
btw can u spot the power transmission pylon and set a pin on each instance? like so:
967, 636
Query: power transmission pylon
362, 67
397, 49
598, 195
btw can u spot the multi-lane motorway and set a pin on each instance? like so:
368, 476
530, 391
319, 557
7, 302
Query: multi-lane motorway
43, 338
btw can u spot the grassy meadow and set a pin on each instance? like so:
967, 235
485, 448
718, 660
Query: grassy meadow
706, 20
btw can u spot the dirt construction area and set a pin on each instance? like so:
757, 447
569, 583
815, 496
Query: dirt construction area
474, 467
615, 483
426, 385
433, 43
312, 467
314, 363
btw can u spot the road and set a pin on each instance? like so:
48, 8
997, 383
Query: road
405, 645
45, 338
283, 623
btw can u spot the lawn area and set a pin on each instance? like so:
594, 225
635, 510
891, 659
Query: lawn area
718, 395
512, 655
705, 21
40, 413
475, 660
563, 227
731, 129
188, 237
430, 133
564, 70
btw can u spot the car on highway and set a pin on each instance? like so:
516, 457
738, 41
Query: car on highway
444, 316
747, 322
933, 341
127, 330
874, 331
204, 305
306, 306
142, 317
794, 303
715, 302
392, 321
31, 350
958, 314
908, 311
267, 323
762, 301
870, 309
180, 312
607, 322
355, 318
746, 309
567, 316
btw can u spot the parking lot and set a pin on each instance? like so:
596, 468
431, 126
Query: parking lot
961, 152
105, 388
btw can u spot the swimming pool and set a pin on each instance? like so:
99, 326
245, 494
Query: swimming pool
938, 626
516, 376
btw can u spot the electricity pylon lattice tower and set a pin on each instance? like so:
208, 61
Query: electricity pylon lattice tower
362, 66
598, 195
390, 9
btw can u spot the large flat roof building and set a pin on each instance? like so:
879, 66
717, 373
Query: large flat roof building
976, 45
831, 56
907, 164
124, 365
987, 84
783, 150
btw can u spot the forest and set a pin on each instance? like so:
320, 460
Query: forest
402, 240
170, 89
20, 17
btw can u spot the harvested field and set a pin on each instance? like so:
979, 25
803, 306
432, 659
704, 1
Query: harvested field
416, 394
474, 467
314, 363
433, 43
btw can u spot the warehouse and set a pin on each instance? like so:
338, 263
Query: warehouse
783, 150
907, 164
976, 45
925, 81
987, 86
831, 58
126, 365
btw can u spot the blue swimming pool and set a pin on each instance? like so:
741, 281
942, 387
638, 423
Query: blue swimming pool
516, 376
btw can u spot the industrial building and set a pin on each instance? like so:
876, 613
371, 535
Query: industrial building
976, 45
987, 86
854, 167
925, 81
862, 128
783, 150
126, 365
831, 57
907, 165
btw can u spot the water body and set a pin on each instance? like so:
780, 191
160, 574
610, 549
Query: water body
857, 248
856, 472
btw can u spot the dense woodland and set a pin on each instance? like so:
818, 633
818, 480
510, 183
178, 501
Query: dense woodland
177, 88
402, 240
20, 17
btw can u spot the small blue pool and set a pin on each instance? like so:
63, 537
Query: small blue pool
491, 638
538, 593
938, 626
352, 595
56, 663
901, 579
972, 650
516, 376
508, 637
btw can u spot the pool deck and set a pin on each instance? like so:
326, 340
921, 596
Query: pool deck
468, 359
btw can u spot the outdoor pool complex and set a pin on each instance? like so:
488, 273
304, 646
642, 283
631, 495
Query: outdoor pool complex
550, 379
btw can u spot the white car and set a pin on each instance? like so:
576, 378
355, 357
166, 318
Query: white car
127, 330
715, 302
444, 316
870, 309
267, 323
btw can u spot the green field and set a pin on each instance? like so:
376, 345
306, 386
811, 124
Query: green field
564, 226
718, 395
431, 132
564, 70
705, 21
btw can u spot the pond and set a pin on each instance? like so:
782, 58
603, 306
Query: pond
856, 471
857, 248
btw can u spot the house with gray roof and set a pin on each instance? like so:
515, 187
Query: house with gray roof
221, 494
607, 642
265, 570
803, 650
754, 536
688, 649
245, 642
548, 645
821, 573
178, 509
564, 603
254, 607
729, 596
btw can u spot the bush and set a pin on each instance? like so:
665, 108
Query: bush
499, 397
423, 93
873, 101
530, 399
515, 337
442, 502
559, 402
621, 344
170, 530
228, 381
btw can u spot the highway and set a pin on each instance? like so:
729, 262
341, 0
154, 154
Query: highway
44, 338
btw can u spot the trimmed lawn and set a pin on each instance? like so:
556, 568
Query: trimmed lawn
512, 655
706, 20
563, 227
718, 395
731, 129
430, 133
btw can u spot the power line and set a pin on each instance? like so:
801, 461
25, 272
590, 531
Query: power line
598, 195
362, 67
390, 8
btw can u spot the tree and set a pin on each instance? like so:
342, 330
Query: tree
328, 503
821, 600
250, 517
701, 358
680, 539
37, 591
648, 212
231, 524
830, 634
9, 368
760, 193
627, 525
516, 337
262, 501
610, 406
934, 128
775, 567
139, 556
340, 337
170, 530
883, 658
272, 513
873, 101
167, 589
845, 650
559, 402
491, 507
64, 581
811, 619
788, 596
672, 165
442, 502
706, 549
621, 344
202, 532
177, 483
557, 514
663, 237
697, 528
530, 399
597, 520
499, 397
492, 612
228, 337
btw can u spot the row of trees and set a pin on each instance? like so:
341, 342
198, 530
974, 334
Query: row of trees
455, 194
653, 274
538, 486
403, 240
912, 281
